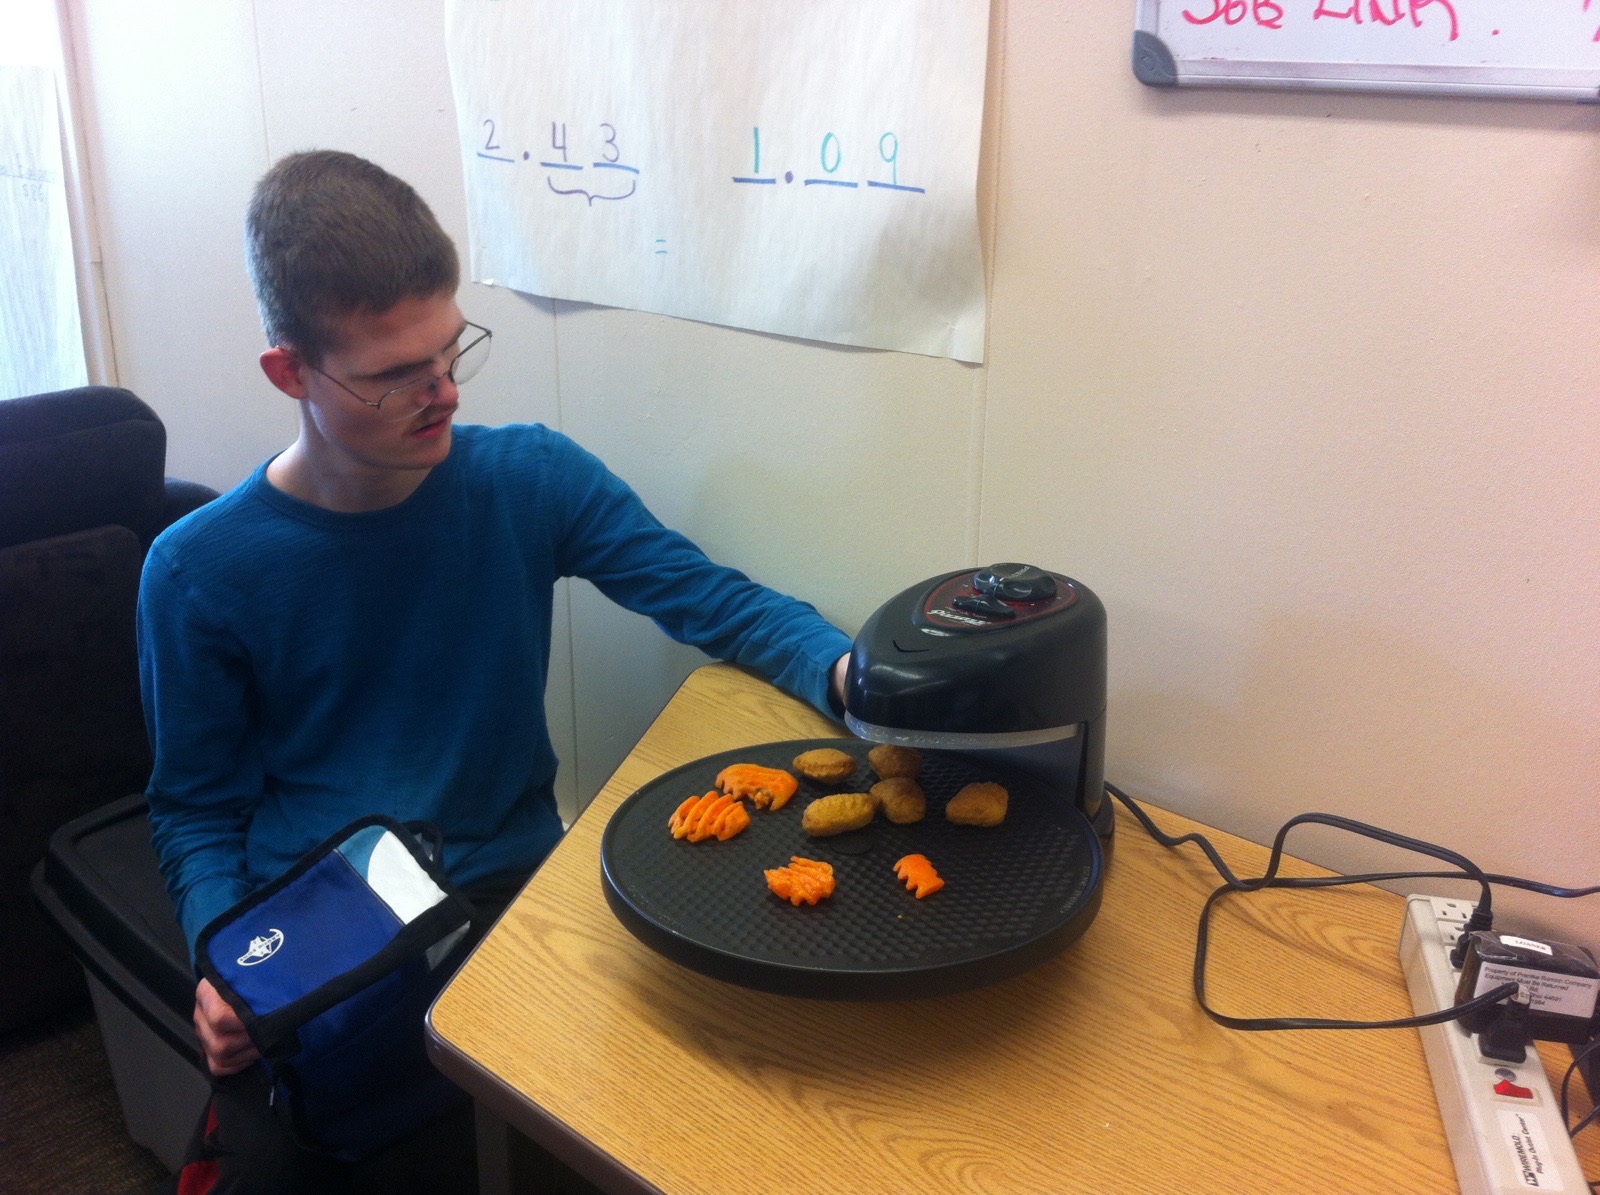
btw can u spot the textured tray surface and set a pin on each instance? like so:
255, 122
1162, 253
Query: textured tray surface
1007, 888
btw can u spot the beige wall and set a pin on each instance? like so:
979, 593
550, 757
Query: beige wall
1303, 386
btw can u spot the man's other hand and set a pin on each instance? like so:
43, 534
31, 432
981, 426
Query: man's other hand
840, 667
227, 1046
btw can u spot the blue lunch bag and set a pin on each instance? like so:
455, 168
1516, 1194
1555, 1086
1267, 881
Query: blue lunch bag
331, 967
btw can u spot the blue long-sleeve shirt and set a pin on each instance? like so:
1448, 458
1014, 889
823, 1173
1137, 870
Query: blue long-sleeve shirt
303, 667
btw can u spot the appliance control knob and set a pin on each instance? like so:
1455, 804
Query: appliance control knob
1015, 582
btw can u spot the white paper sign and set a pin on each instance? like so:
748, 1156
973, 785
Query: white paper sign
807, 169
41, 339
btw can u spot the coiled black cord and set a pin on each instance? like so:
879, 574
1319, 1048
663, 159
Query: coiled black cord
1481, 917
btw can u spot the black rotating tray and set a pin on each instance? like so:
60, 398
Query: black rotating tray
1014, 894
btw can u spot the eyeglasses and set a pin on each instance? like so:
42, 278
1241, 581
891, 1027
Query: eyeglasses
406, 399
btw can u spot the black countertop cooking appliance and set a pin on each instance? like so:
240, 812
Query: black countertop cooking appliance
996, 674
1005, 662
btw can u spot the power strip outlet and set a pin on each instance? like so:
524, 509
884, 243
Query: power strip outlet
1502, 1121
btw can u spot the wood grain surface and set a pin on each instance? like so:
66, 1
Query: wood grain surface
1095, 1072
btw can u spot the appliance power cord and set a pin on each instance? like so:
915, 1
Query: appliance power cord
1482, 916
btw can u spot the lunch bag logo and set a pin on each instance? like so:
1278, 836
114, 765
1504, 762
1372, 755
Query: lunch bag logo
262, 947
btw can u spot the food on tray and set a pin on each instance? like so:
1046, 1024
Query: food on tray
715, 815
803, 881
891, 762
901, 799
826, 765
765, 786
978, 805
827, 816
919, 875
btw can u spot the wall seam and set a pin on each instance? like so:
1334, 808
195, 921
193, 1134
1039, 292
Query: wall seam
261, 86
991, 235
580, 802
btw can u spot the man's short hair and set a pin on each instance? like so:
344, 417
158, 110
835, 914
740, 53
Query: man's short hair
329, 234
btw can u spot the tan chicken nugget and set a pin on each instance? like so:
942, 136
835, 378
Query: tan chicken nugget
827, 816
826, 765
891, 762
901, 799
978, 805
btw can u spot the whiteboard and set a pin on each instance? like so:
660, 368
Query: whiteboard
1535, 49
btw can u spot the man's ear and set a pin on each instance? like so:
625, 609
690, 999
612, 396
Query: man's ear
285, 371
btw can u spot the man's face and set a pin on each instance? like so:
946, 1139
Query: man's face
376, 352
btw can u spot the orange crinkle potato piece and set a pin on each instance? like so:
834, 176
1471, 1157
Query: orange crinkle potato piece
919, 875
765, 786
804, 881
715, 815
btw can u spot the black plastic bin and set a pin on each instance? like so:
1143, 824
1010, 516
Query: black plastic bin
100, 882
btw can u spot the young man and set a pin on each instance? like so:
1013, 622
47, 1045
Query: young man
363, 625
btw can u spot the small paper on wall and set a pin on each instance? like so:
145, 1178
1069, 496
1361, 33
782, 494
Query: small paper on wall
41, 338
807, 169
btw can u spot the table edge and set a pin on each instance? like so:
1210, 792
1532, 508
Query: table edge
524, 1116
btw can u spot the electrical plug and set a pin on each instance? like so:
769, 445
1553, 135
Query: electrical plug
1481, 919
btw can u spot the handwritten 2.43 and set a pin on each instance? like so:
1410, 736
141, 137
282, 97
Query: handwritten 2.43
588, 165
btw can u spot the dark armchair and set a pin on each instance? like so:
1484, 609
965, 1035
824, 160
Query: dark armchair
83, 492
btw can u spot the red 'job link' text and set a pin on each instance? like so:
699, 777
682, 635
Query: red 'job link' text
1269, 14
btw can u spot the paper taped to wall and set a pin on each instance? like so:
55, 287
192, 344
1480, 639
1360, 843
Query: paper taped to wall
806, 169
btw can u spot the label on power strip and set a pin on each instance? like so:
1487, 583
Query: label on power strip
1543, 991
1530, 1152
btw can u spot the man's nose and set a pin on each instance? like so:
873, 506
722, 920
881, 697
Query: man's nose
443, 389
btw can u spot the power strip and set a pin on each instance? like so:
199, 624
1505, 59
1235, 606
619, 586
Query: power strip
1502, 1121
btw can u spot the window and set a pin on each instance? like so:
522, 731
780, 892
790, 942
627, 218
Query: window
41, 328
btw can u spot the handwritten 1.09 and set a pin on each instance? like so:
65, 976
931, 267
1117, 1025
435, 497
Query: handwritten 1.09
830, 157
599, 172
1378, 14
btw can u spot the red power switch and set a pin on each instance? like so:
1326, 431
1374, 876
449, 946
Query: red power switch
1507, 1087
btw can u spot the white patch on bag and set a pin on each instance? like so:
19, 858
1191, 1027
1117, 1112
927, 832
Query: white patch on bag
395, 876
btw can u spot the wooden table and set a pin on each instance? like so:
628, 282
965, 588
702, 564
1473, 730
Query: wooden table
1093, 1073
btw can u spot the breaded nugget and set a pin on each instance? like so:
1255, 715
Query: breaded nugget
891, 762
834, 815
978, 805
902, 800
826, 765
